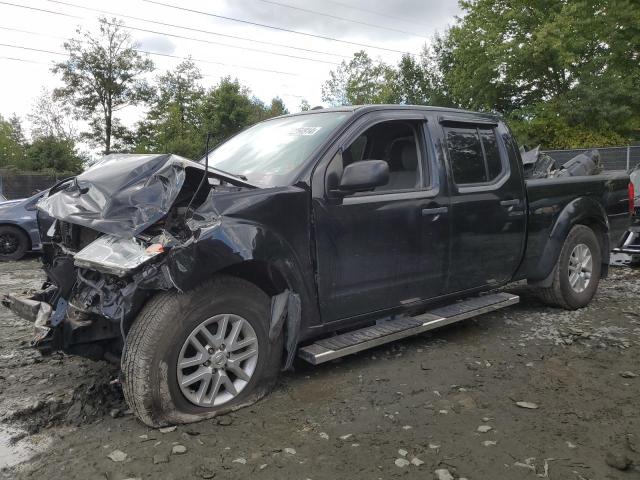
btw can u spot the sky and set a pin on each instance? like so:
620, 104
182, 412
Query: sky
261, 50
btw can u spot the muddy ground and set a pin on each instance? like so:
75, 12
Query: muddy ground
442, 402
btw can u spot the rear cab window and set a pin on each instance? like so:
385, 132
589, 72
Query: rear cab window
474, 154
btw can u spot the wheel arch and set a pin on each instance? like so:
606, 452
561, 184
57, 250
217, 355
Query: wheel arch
261, 256
264, 275
580, 211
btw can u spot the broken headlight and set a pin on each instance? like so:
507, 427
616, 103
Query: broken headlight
115, 255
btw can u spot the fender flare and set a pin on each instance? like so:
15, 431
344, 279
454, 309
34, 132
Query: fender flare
580, 211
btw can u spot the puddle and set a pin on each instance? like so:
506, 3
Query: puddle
20, 451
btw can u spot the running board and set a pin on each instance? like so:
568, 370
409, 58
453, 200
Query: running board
391, 330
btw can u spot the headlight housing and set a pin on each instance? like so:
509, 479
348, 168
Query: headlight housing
115, 255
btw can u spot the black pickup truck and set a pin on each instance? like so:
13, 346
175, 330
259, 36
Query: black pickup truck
315, 235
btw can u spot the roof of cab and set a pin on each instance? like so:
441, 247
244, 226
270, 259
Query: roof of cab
370, 108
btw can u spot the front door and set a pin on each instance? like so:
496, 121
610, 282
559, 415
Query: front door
388, 247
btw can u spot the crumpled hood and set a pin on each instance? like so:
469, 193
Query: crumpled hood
120, 195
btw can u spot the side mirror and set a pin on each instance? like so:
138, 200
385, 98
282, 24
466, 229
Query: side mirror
363, 176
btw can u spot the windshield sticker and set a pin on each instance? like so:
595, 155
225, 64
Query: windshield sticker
304, 131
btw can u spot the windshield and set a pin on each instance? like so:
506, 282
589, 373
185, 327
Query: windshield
269, 153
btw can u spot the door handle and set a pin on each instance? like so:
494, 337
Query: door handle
509, 203
434, 211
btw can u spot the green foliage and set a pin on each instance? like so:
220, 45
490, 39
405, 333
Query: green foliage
182, 112
53, 154
359, 81
365, 81
227, 109
304, 105
103, 74
49, 153
566, 72
173, 123
11, 148
50, 117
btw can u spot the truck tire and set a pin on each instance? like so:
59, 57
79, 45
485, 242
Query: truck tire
577, 271
14, 243
194, 355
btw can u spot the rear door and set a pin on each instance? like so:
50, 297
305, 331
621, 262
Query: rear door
488, 221
388, 247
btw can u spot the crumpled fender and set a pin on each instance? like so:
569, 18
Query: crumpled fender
575, 212
227, 243
250, 225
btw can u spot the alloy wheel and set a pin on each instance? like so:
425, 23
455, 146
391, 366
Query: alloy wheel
217, 360
580, 268
9, 243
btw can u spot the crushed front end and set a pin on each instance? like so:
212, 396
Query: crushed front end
107, 238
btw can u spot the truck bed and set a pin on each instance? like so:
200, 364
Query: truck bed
549, 197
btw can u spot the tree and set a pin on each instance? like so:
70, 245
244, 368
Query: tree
362, 80
228, 108
11, 148
49, 117
359, 81
45, 153
103, 75
277, 108
304, 105
17, 133
417, 80
570, 64
53, 154
173, 122
182, 112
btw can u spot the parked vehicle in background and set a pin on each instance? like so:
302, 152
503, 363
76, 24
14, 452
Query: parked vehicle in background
631, 240
19, 227
318, 234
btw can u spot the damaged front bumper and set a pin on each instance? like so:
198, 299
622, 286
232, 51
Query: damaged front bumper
33, 310
86, 310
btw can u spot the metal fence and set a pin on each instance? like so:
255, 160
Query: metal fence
612, 158
21, 185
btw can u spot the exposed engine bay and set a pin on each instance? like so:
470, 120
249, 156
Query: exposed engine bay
111, 237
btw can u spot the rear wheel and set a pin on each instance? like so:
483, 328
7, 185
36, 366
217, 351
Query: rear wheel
14, 243
577, 272
199, 354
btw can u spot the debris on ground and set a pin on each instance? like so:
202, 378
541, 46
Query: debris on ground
178, 450
117, 456
443, 474
62, 416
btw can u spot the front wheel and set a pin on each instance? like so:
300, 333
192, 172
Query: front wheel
577, 272
199, 354
14, 243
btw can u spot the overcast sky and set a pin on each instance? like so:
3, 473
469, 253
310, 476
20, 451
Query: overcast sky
393, 26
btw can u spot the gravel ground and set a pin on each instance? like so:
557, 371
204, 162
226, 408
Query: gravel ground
447, 405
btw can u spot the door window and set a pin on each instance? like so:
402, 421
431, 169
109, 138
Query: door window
395, 142
474, 154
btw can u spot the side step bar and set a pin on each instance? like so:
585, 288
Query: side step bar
338, 346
